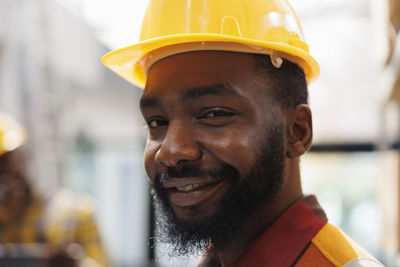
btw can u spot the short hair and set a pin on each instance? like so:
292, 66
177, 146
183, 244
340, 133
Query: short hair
288, 81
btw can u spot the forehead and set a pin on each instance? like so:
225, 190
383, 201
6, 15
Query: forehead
205, 68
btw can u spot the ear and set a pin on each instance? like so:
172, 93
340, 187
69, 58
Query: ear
299, 131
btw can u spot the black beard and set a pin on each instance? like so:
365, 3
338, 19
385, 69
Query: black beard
246, 194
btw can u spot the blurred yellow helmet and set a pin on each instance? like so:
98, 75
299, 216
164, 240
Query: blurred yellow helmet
12, 135
177, 26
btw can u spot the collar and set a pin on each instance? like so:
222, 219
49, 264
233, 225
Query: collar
287, 237
282, 243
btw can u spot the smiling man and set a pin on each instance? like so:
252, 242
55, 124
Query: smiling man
216, 151
225, 101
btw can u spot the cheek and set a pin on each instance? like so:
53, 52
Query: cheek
238, 148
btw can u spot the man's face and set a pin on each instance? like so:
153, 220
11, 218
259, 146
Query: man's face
215, 137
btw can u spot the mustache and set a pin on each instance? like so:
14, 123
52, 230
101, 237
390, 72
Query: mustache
225, 171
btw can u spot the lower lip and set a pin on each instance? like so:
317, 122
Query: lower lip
194, 197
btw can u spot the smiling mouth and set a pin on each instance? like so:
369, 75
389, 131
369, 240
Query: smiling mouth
189, 184
190, 187
185, 192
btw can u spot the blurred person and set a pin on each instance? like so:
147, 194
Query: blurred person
226, 103
62, 227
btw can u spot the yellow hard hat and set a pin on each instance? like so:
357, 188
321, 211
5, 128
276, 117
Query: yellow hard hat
12, 135
177, 26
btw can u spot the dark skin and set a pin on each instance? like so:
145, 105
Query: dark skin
206, 109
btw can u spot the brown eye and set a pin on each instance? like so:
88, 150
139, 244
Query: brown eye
156, 123
216, 113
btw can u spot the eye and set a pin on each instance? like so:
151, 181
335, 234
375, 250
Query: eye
156, 123
215, 114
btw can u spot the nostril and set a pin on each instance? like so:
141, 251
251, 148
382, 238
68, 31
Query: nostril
171, 155
166, 157
178, 144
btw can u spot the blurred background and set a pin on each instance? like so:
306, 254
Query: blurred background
86, 133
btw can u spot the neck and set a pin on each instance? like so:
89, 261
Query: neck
263, 217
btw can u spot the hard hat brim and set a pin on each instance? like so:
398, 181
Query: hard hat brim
133, 62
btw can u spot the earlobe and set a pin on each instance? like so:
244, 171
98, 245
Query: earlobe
299, 131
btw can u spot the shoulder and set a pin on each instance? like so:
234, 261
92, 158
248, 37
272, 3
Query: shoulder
340, 250
68, 205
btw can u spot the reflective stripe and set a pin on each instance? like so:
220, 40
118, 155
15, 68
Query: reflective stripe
339, 249
363, 262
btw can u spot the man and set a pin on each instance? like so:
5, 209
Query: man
61, 230
225, 101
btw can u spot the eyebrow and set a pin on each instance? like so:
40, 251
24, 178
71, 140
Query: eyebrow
218, 89
149, 102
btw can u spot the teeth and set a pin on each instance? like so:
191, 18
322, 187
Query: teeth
189, 187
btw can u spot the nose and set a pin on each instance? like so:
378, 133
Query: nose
177, 146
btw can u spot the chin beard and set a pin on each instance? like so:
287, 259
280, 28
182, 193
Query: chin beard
247, 193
